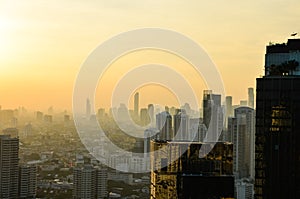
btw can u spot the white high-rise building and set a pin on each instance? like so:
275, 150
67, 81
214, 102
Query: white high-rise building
243, 130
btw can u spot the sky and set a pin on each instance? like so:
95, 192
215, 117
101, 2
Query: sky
44, 43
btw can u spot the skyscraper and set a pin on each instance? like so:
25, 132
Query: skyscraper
9, 166
181, 125
250, 97
277, 148
243, 142
136, 105
164, 125
212, 115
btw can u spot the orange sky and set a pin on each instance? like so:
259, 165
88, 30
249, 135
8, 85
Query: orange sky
44, 43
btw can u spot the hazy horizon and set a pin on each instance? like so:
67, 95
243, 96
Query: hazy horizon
43, 44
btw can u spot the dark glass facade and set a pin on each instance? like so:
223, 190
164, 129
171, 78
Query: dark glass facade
277, 148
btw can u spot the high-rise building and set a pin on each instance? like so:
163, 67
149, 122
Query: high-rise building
27, 181
151, 115
164, 125
9, 166
39, 115
212, 115
204, 170
277, 148
228, 107
144, 117
89, 182
251, 97
242, 130
136, 105
181, 125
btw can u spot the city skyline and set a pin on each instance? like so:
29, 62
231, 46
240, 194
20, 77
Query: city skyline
44, 44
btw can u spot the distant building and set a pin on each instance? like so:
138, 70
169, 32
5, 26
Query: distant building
251, 97
9, 166
27, 129
136, 105
144, 117
164, 125
243, 103
13, 132
193, 174
212, 115
151, 115
181, 125
39, 115
48, 118
89, 182
66, 118
101, 113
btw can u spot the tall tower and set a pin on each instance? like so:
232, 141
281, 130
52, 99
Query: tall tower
212, 115
181, 125
136, 105
243, 141
250, 97
9, 166
164, 125
277, 147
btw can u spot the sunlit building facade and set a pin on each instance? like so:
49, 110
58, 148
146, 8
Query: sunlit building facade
204, 170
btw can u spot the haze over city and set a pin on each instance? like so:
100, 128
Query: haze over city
43, 44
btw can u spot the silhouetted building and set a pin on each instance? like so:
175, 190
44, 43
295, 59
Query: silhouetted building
277, 148
9, 166
204, 170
